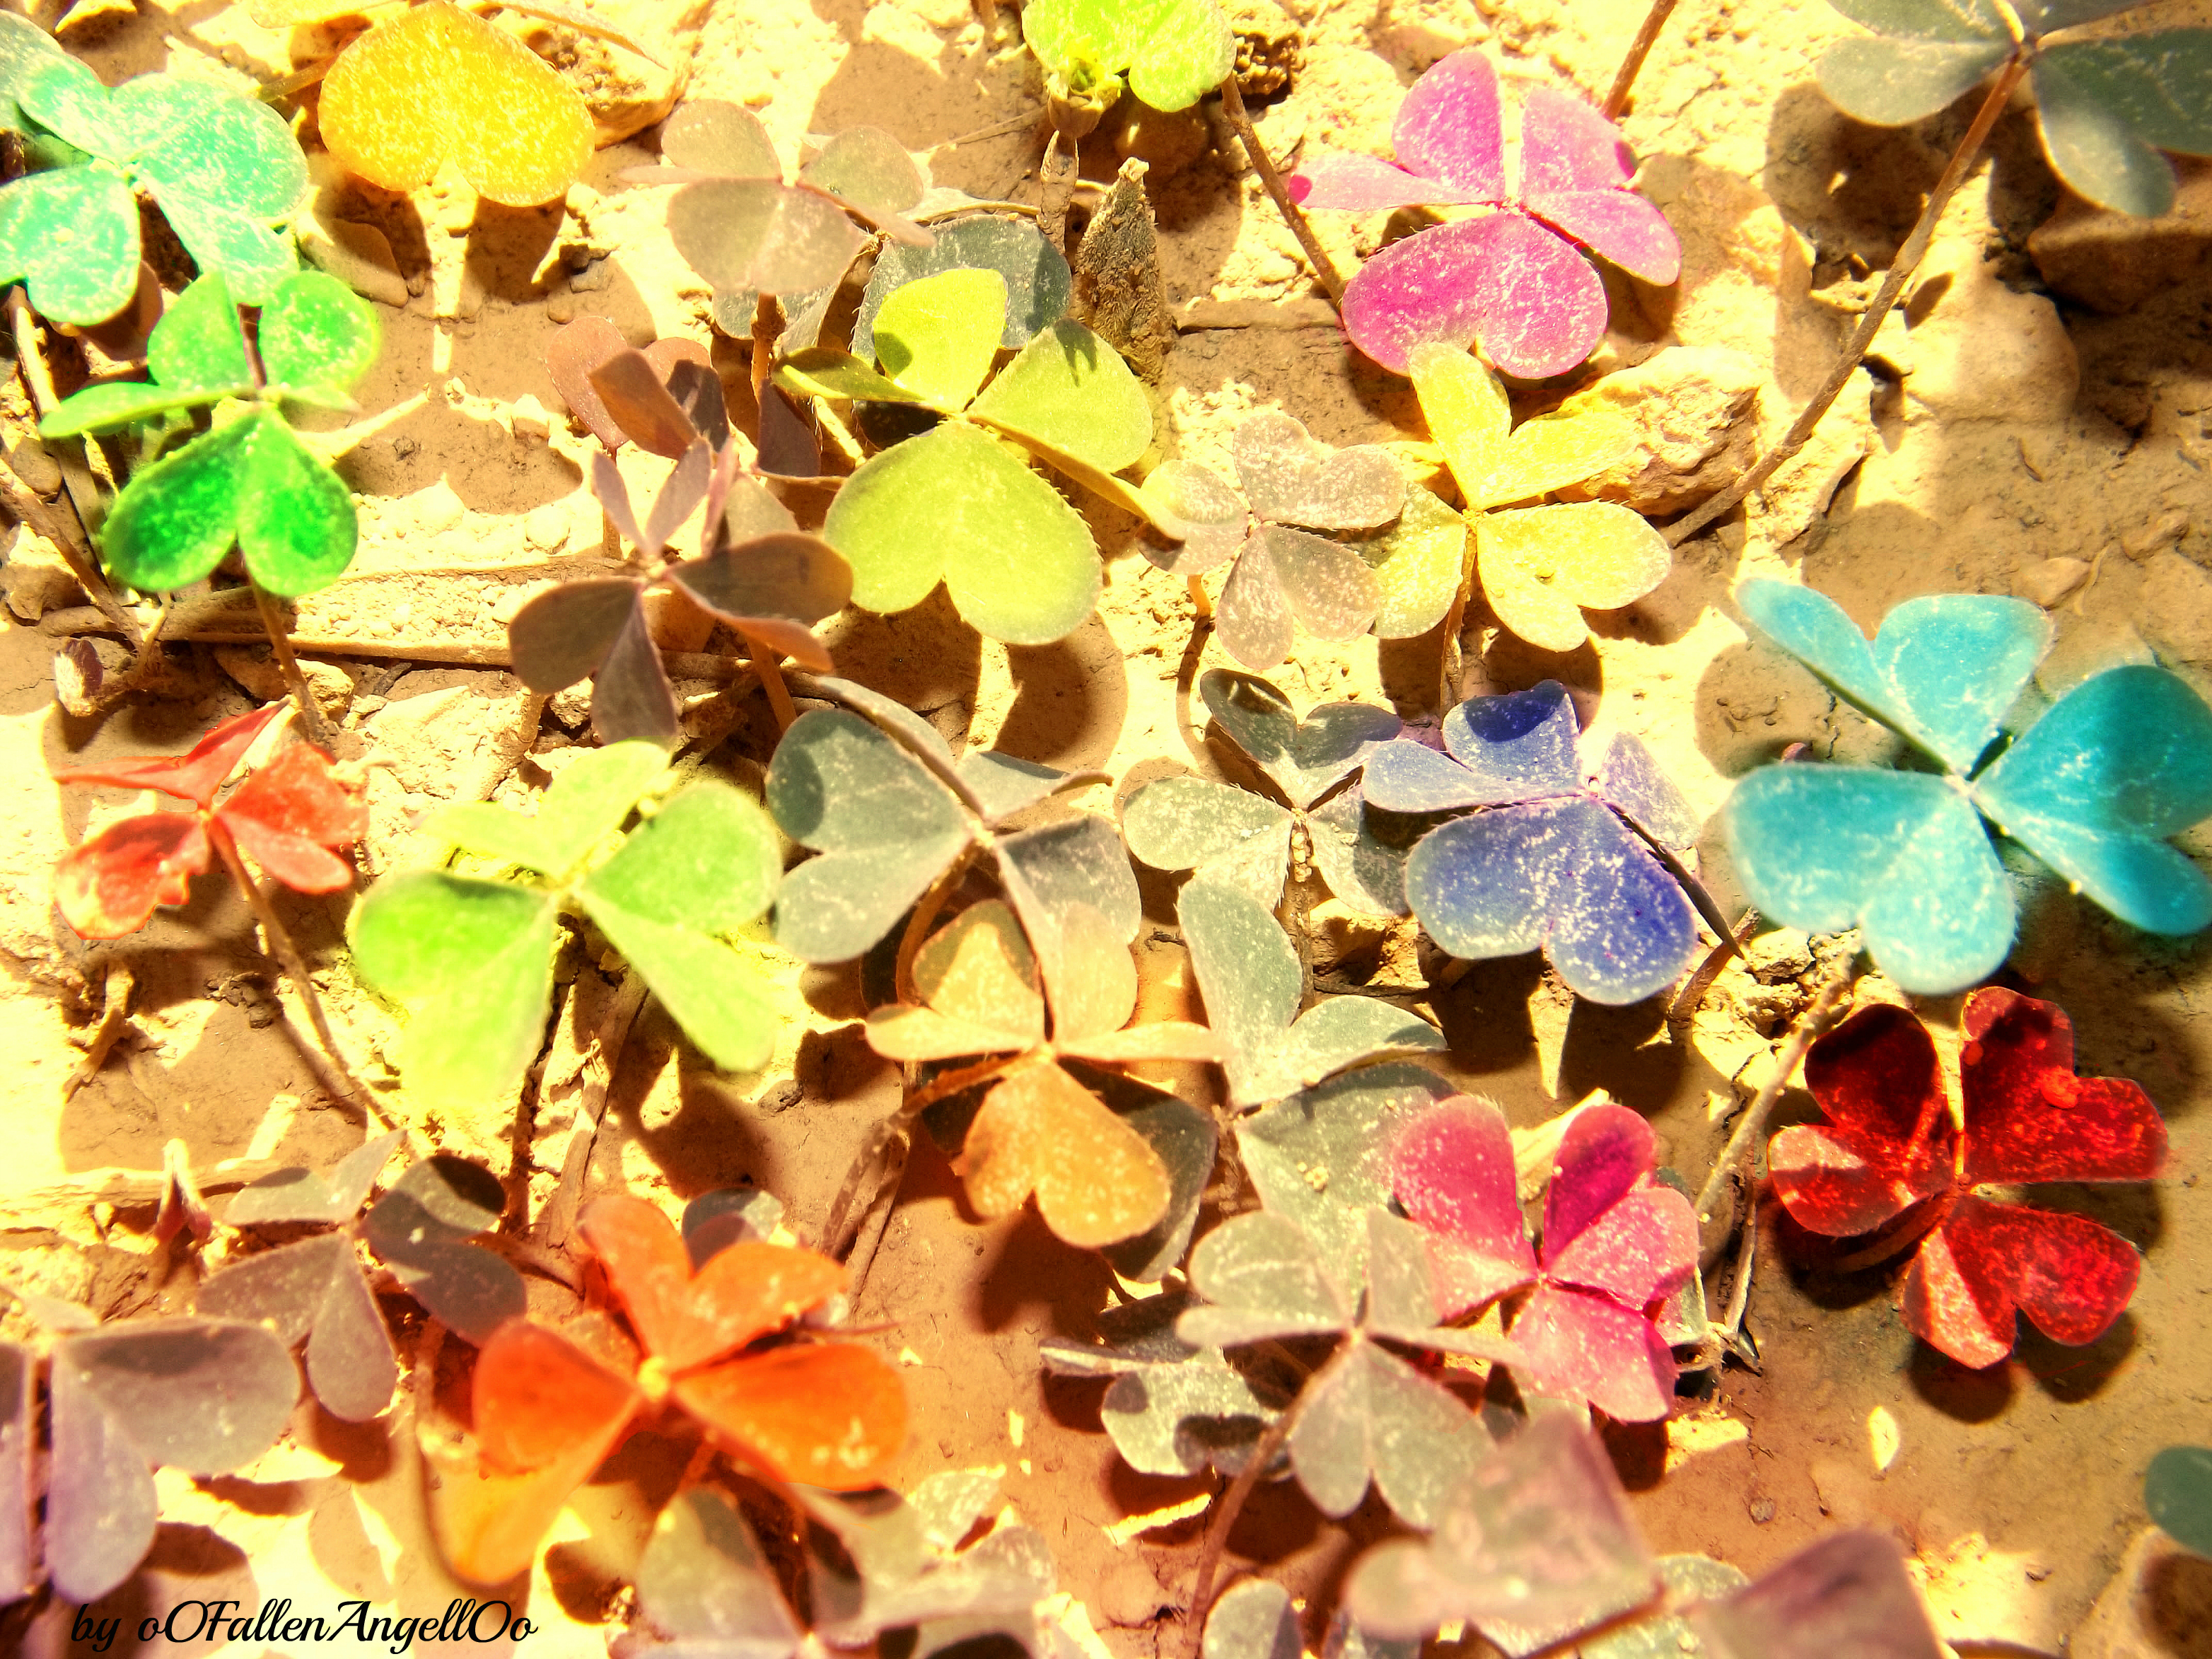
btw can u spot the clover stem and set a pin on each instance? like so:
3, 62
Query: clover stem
1900, 271
1232, 106
1694, 994
1616, 101
1827, 1003
293, 964
1931, 1217
1232, 1501
1186, 676
1201, 602
558, 1220
918, 924
764, 345
280, 638
1706, 905
767, 666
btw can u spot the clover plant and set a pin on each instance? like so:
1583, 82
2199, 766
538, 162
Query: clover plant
749, 233
223, 168
471, 958
205, 1396
313, 1290
757, 571
1247, 971
875, 1564
1890, 1156
2178, 1492
2106, 105
1281, 574
249, 481
1098, 1180
1541, 566
1236, 836
289, 815
1513, 279
1533, 1544
1257, 1616
434, 83
1038, 280
1171, 52
1572, 845
1615, 1244
888, 812
956, 504
1367, 1415
2092, 786
547, 1410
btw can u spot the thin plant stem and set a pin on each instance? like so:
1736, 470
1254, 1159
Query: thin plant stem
1828, 1002
764, 346
1201, 602
1931, 1216
1694, 994
1900, 272
771, 678
1232, 1501
293, 964
1232, 106
1616, 101
303, 695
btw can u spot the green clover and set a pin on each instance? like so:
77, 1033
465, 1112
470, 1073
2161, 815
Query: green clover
249, 480
224, 169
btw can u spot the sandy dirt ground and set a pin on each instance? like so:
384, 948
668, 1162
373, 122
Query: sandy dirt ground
2038, 421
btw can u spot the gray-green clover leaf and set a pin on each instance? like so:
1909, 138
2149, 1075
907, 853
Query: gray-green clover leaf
1249, 974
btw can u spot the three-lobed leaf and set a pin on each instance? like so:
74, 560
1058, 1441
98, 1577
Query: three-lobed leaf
1173, 51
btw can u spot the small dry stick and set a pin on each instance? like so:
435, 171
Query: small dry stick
69, 456
1232, 1503
1900, 272
280, 638
1638, 49
1828, 1002
1232, 106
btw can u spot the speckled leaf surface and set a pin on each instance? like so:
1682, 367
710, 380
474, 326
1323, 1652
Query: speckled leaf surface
1537, 1544
955, 506
473, 962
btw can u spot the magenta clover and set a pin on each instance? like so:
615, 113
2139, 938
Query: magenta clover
1512, 278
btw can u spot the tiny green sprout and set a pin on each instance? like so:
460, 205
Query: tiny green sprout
956, 504
1172, 52
472, 957
249, 480
224, 169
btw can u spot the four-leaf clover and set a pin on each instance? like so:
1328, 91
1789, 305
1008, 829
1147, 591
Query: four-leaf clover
1891, 1146
1511, 278
1615, 1245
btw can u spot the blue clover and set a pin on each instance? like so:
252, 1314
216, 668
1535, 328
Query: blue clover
1569, 851
2093, 789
